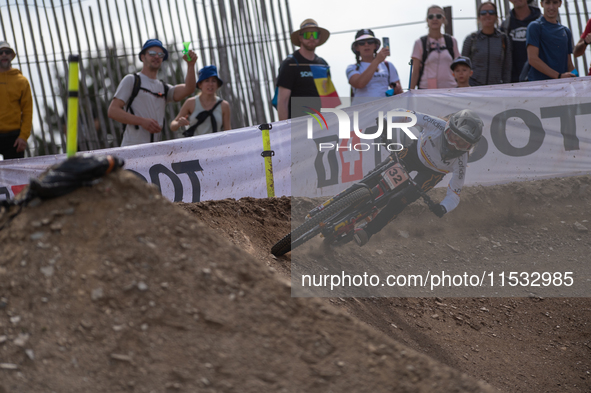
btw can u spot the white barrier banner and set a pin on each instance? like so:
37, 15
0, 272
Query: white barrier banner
532, 130
208, 167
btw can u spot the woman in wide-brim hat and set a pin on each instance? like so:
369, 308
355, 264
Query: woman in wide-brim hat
310, 25
371, 76
197, 112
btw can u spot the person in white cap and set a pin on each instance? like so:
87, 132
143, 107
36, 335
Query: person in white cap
16, 106
295, 74
140, 100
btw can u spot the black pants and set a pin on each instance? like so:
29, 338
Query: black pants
7, 148
426, 179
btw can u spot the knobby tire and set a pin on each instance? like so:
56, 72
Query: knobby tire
311, 227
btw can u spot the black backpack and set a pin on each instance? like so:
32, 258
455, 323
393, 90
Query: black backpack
201, 117
137, 86
449, 45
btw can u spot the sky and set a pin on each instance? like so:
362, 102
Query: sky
349, 16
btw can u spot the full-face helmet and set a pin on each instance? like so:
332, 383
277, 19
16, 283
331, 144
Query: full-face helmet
462, 132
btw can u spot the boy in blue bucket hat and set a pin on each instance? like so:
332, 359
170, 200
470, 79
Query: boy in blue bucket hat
206, 113
140, 100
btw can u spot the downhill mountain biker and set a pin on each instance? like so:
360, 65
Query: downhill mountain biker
442, 147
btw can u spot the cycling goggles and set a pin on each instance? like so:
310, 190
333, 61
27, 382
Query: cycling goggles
457, 141
310, 34
438, 16
6, 52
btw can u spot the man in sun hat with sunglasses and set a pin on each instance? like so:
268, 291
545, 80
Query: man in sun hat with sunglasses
296, 74
16, 106
144, 112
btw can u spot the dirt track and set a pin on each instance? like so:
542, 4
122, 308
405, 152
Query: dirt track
114, 289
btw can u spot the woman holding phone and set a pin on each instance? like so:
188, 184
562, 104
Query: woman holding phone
371, 76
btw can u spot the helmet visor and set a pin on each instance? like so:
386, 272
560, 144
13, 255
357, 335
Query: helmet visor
457, 141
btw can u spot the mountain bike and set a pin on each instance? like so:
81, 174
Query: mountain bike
337, 218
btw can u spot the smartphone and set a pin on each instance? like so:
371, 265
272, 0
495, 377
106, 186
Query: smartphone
386, 41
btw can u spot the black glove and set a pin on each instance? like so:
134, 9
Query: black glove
438, 210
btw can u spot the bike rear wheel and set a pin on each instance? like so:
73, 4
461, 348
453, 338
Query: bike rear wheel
312, 227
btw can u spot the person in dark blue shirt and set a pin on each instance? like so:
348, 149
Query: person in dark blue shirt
549, 45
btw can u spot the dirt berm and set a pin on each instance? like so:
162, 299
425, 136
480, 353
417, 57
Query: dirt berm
115, 289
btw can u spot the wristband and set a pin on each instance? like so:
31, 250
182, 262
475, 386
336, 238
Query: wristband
559, 75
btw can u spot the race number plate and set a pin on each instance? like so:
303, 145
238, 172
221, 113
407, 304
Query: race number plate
395, 176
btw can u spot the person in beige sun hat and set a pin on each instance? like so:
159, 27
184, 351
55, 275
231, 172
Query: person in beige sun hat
310, 25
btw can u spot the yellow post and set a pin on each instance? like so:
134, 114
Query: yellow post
267, 154
72, 138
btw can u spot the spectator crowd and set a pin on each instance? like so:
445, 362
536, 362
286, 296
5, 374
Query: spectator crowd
529, 45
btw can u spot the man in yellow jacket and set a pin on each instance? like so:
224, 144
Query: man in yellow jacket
16, 106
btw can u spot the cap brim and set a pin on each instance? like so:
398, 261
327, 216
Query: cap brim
220, 82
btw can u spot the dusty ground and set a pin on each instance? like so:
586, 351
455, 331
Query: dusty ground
114, 289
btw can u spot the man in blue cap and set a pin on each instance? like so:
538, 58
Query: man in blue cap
140, 100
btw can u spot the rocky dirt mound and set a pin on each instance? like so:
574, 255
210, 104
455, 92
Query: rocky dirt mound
250, 224
114, 289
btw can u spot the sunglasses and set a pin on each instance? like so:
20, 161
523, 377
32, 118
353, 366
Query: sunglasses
310, 34
5, 52
154, 53
490, 12
366, 42
438, 16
